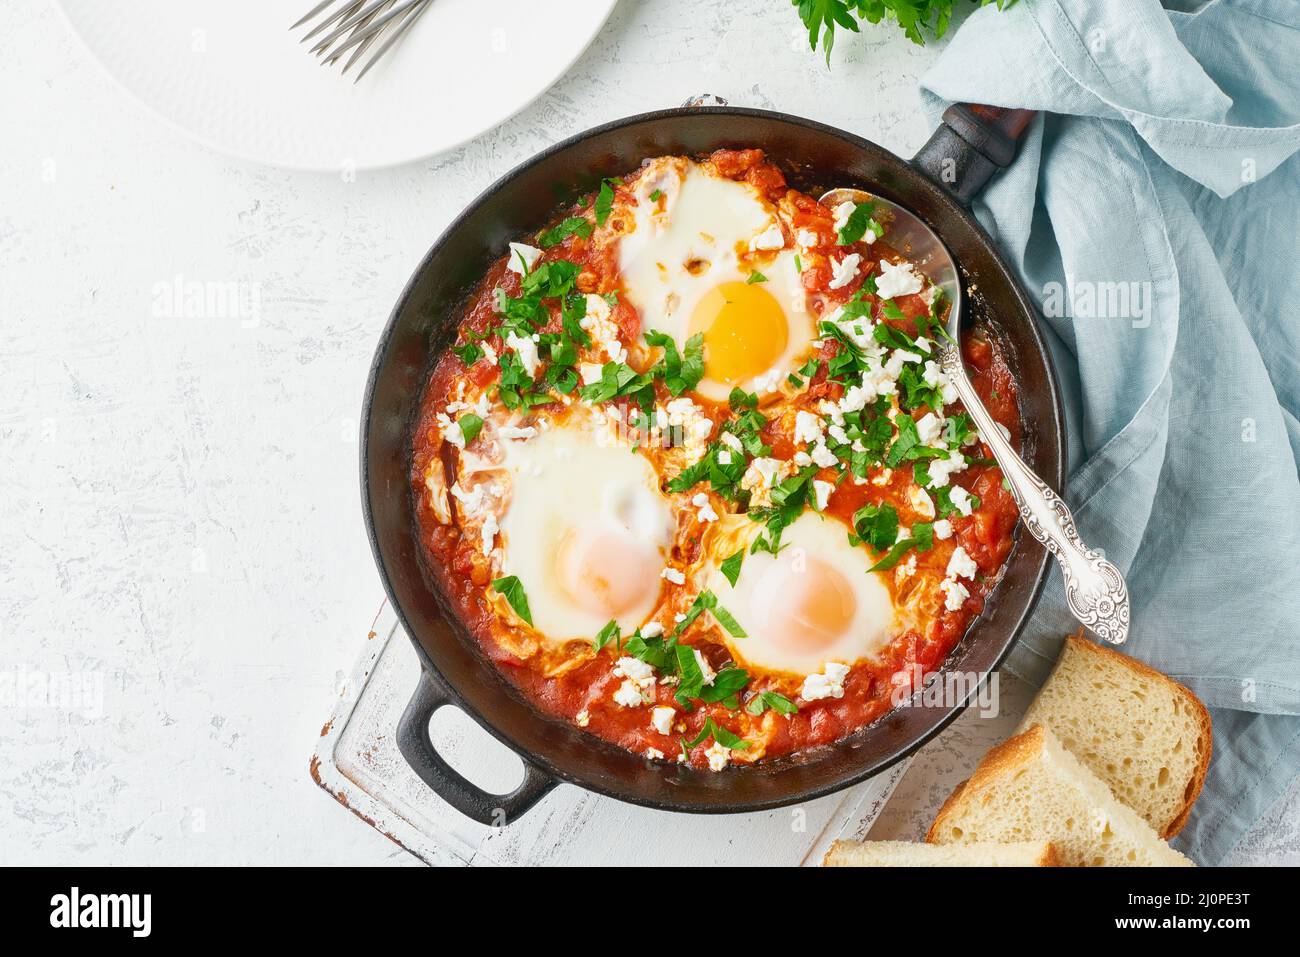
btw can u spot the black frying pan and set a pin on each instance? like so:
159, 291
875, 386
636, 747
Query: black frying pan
964, 152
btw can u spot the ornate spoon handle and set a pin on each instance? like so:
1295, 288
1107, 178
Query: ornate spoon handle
1094, 587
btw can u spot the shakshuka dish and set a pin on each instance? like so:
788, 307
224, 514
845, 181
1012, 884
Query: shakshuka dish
691, 473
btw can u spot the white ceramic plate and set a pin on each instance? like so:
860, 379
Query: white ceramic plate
233, 76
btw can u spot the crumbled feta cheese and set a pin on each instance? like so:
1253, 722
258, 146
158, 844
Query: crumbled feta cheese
897, 359
651, 629
929, 427
961, 565
897, 279
706, 512
638, 688
527, 350
529, 255
661, 719
599, 323
489, 532
822, 491
759, 478
842, 213
844, 271
590, 372
583, 718
634, 668
808, 238
828, 684
724, 456
769, 381
695, 426
718, 756
770, 238
941, 470
961, 499
837, 433
824, 456
628, 694
802, 459
943, 529
904, 532
673, 576
512, 432
921, 502
954, 592
731, 440
883, 477
471, 503
807, 427
654, 754
705, 668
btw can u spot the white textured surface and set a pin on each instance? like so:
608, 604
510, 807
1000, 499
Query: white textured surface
179, 516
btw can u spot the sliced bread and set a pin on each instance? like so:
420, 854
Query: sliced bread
1141, 732
906, 854
1030, 788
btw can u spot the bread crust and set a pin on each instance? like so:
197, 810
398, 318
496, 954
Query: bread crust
1204, 740
1010, 754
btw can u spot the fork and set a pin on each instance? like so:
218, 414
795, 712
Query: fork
357, 25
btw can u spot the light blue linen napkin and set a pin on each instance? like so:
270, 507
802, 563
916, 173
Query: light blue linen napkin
1155, 216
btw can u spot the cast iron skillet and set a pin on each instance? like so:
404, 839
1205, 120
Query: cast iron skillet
966, 150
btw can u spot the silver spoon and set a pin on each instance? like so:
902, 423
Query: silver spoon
1094, 587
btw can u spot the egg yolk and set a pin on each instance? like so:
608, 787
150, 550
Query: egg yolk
606, 571
745, 331
807, 607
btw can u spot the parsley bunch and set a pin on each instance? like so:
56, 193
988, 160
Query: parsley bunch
916, 18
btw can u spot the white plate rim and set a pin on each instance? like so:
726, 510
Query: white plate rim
226, 149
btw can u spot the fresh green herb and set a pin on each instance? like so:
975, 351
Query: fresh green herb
469, 353
707, 601
755, 277
798, 263
609, 633
513, 590
721, 735
619, 379
922, 539
916, 18
605, 200
877, 525
678, 373
731, 567
860, 220
656, 195
470, 426
771, 699
573, 226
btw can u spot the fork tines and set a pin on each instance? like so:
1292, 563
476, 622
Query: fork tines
357, 26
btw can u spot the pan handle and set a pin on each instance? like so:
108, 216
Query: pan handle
416, 745
971, 144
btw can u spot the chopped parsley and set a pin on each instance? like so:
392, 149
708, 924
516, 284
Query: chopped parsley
771, 699
470, 426
859, 222
573, 226
513, 590
755, 277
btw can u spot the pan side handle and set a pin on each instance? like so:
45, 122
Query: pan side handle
971, 144
417, 747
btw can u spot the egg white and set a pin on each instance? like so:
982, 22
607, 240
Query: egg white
767, 580
693, 239
565, 482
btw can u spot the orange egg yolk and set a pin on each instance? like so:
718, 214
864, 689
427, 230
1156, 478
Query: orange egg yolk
745, 331
809, 605
607, 572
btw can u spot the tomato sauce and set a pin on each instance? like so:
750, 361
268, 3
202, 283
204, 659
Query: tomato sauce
582, 694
